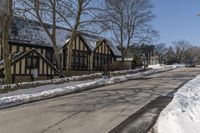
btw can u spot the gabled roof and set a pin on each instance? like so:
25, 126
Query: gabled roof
111, 46
30, 32
114, 49
90, 40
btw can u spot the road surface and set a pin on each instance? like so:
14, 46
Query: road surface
93, 111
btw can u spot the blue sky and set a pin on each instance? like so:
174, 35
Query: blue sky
177, 20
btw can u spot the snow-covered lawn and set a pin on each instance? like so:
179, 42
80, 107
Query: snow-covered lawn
158, 66
182, 115
62, 89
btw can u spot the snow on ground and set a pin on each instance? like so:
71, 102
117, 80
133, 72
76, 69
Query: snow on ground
182, 115
176, 65
157, 66
42, 88
48, 91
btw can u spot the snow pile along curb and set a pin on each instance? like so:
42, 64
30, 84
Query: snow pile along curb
62, 80
124, 72
52, 81
26, 98
182, 115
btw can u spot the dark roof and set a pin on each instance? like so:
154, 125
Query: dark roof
30, 32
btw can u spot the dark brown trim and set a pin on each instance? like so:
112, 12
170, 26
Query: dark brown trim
20, 67
82, 39
24, 48
24, 55
17, 48
14, 67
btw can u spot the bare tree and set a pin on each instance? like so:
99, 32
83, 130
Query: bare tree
160, 50
6, 15
129, 21
45, 11
84, 19
180, 47
73, 14
169, 57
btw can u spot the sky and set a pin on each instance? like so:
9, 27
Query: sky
177, 20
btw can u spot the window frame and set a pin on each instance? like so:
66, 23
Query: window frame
30, 62
79, 60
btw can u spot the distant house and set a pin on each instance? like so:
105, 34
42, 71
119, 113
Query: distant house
32, 52
148, 51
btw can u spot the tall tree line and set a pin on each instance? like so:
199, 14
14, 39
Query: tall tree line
179, 52
129, 22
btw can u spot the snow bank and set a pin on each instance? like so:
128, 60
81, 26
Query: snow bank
26, 98
178, 65
157, 66
51, 81
182, 115
62, 80
124, 72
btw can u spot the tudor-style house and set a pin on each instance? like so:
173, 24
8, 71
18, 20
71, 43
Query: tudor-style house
32, 52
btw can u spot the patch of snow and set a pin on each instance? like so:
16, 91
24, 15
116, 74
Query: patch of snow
178, 65
62, 36
52, 81
91, 42
114, 49
27, 32
156, 66
182, 115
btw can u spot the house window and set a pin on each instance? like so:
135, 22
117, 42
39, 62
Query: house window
100, 60
29, 62
79, 60
49, 55
32, 62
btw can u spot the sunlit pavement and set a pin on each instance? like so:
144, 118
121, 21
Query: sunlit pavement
94, 111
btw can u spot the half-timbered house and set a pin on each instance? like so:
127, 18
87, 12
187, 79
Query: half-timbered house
104, 54
33, 56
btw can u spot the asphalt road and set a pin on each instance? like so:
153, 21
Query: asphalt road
93, 111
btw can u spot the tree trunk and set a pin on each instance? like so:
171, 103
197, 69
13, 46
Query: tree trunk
57, 58
69, 53
7, 63
74, 33
123, 56
6, 53
7, 18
